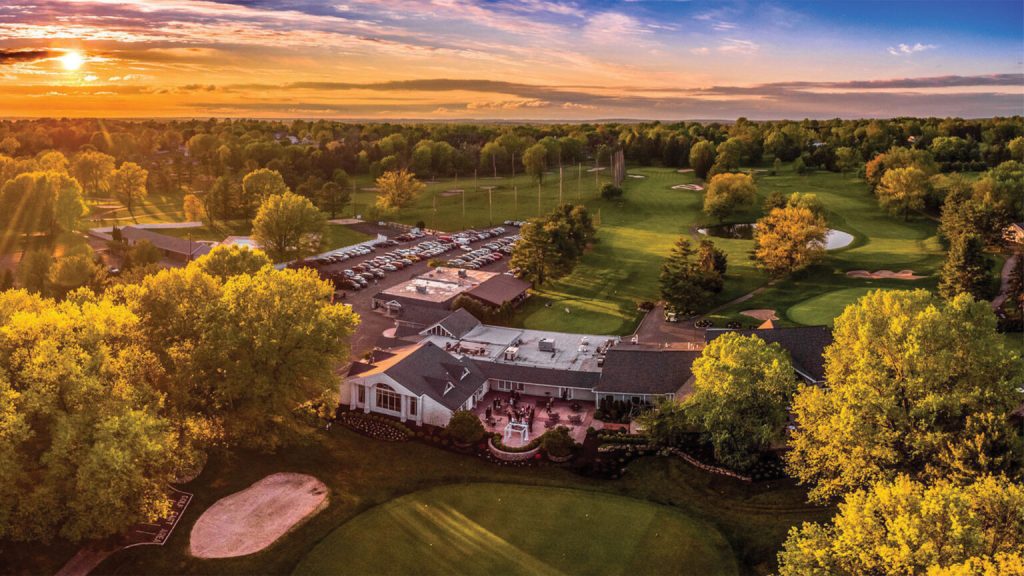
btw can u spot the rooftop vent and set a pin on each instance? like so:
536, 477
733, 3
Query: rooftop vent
546, 345
420, 288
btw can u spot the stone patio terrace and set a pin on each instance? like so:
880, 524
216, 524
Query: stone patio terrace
562, 414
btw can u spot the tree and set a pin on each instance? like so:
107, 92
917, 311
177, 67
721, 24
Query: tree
9, 145
193, 208
73, 271
727, 192
491, 155
967, 270
742, 390
557, 442
535, 160
396, 190
333, 197
85, 451
897, 157
711, 259
94, 170
465, 428
776, 166
788, 240
34, 271
902, 190
257, 186
68, 205
905, 527
799, 166
807, 200
224, 261
288, 226
141, 254
128, 184
686, 283
912, 382
702, 158
848, 159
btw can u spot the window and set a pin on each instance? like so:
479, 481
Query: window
413, 405
361, 391
388, 399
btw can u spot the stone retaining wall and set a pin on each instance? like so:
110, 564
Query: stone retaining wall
510, 456
707, 467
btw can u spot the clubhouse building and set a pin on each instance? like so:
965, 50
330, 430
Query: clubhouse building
456, 362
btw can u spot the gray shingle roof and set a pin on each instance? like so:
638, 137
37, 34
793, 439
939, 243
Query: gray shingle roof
458, 323
499, 289
536, 375
637, 369
428, 370
164, 242
805, 344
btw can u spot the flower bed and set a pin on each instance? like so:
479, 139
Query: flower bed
513, 454
374, 426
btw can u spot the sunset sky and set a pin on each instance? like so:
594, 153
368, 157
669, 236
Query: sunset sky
532, 59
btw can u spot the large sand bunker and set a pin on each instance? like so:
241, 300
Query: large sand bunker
249, 521
884, 274
761, 314
697, 187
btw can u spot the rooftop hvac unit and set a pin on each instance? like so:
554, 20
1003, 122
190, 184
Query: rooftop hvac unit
462, 272
546, 345
420, 288
511, 352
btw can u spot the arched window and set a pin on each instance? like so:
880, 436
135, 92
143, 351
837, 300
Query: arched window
388, 399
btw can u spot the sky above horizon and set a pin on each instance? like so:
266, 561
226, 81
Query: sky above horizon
498, 59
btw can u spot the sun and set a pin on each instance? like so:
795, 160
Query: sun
72, 60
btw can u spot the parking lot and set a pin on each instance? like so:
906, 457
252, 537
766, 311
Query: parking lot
401, 247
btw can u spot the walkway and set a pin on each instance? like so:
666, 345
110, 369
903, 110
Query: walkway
1004, 281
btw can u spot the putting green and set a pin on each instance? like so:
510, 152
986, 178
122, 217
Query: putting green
824, 308
511, 529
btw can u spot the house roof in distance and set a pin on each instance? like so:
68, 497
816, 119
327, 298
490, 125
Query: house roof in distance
183, 246
442, 284
499, 289
639, 369
805, 344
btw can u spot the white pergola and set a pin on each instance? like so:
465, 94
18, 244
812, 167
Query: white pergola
518, 427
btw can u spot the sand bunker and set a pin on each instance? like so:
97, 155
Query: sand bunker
884, 275
761, 314
638, 176
697, 187
684, 170
453, 192
370, 189
249, 521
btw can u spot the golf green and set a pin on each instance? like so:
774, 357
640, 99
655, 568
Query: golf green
824, 308
514, 529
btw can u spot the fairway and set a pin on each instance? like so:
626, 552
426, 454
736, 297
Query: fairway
508, 529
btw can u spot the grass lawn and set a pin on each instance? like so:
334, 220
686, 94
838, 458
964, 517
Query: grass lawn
362, 474
508, 529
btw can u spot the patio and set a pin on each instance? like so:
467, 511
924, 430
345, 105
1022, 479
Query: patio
576, 415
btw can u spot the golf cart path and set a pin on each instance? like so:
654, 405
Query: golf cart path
1004, 281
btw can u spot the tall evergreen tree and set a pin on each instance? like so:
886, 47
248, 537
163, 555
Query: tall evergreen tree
967, 269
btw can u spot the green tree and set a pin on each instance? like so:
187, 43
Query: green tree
702, 158
967, 270
288, 226
905, 527
141, 254
333, 197
68, 205
257, 186
396, 190
533, 254
491, 155
73, 271
224, 261
742, 390
807, 200
465, 427
687, 286
94, 170
910, 381
902, 190
535, 161
728, 192
34, 271
128, 184
848, 159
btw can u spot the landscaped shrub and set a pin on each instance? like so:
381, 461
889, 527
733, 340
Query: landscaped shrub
375, 426
611, 192
465, 428
557, 442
